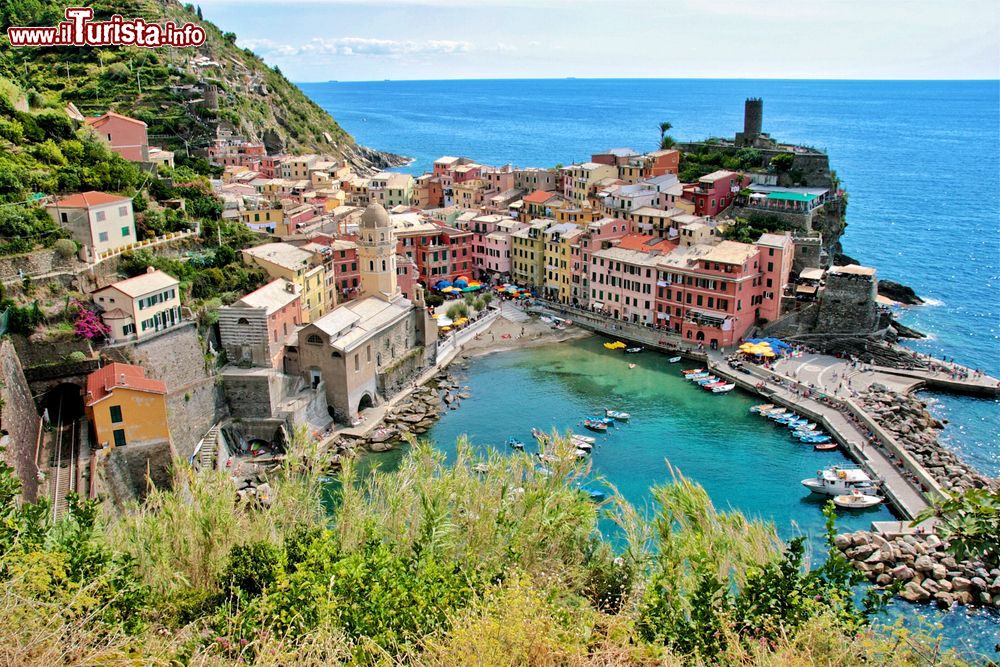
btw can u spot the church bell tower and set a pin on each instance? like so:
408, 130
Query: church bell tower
377, 254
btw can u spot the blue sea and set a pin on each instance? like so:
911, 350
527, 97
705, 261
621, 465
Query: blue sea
921, 163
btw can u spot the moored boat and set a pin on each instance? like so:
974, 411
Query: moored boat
633, 350
600, 427
673, 360
514, 443
582, 438
579, 444
762, 407
618, 415
839, 480
825, 447
725, 388
698, 376
856, 500
539, 434
693, 371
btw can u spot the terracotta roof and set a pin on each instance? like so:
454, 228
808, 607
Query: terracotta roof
100, 120
103, 381
143, 284
539, 197
645, 243
88, 199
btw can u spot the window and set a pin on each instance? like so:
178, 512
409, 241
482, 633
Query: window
313, 339
357, 363
64, 217
122, 211
102, 237
116, 414
770, 266
119, 435
99, 216
126, 231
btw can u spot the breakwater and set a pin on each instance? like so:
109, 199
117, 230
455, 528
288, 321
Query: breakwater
924, 568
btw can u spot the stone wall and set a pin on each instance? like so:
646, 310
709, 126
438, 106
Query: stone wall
794, 323
38, 263
128, 467
19, 421
395, 377
191, 412
809, 253
847, 304
251, 393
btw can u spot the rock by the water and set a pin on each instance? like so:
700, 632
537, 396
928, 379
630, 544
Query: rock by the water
899, 293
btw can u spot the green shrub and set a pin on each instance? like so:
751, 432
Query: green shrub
65, 248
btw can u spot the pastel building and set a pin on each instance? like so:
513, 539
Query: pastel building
391, 189
624, 276
560, 239
598, 235
296, 265
98, 221
528, 253
579, 180
253, 330
139, 307
124, 407
716, 191
127, 137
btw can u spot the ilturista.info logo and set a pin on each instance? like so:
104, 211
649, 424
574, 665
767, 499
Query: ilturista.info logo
80, 30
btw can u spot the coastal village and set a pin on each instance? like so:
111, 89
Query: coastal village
367, 285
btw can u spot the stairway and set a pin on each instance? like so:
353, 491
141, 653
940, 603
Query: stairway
206, 449
512, 313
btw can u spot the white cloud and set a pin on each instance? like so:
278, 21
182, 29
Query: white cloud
364, 46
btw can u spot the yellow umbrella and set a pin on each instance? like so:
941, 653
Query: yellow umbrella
768, 353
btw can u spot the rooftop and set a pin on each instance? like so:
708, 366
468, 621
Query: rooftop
774, 240
717, 175
854, 269
729, 252
103, 381
283, 254
88, 199
152, 281
273, 296
354, 322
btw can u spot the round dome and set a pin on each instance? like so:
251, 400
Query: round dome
375, 216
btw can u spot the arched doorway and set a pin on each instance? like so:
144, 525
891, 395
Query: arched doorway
63, 407
700, 335
365, 402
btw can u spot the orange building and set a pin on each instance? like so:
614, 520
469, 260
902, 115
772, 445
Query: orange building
125, 407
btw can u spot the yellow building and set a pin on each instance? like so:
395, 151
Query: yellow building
559, 241
528, 254
304, 268
124, 407
140, 306
579, 179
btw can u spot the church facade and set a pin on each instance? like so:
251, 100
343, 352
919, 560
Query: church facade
367, 350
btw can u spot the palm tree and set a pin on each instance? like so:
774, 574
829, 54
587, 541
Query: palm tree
665, 127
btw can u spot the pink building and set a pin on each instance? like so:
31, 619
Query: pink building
624, 277
125, 136
254, 328
406, 275
598, 235
716, 191
776, 254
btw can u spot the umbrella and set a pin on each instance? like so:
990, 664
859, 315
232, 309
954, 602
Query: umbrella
461, 321
444, 322
768, 353
441, 284
449, 289
462, 278
461, 283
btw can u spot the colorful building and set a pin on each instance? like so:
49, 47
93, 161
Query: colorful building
716, 191
296, 265
624, 276
124, 407
141, 306
99, 222
253, 330
580, 180
560, 239
528, 253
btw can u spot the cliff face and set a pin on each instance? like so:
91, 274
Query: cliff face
183, 95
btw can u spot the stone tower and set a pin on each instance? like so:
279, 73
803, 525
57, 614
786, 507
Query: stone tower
377, 254
753, 118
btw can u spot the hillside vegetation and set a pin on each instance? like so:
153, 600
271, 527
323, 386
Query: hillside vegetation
165, 89
431, 565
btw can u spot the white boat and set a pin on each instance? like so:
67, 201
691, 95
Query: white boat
618, 415
581, 454
585, 446
724, 388
762, 408
673, 360
582, 438
840, 480
856, 501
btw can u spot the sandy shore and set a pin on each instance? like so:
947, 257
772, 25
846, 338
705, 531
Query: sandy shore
504, 334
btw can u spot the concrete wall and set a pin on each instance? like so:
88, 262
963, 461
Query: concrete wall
19, 421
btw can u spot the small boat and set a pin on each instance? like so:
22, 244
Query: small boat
693, 371
633, 350
604, 420
581, 454
547, 458
585, 446
617, 345
724, 388
698, 376
618, 415
707, 381
539, 434
631, 365
838, 480
595, 495
815, 439
673, 360
762, 407
778, 416
856, 500
825, 447
773, 412
514, 443
582, 438
600, 427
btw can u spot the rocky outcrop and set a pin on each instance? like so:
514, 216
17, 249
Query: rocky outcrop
907, 419
923, 567
899, 293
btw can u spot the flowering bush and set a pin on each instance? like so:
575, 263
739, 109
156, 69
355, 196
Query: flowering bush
88, 324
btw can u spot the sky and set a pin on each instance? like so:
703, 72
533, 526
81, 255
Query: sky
371, 40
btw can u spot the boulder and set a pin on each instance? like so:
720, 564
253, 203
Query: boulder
923, 564
943, 600
379, 447
939, 571
884, 579
902, 573
930, 586
978, 583
913, 592
842, 542
961, 584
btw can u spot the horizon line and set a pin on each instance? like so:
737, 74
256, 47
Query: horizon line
659, 78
